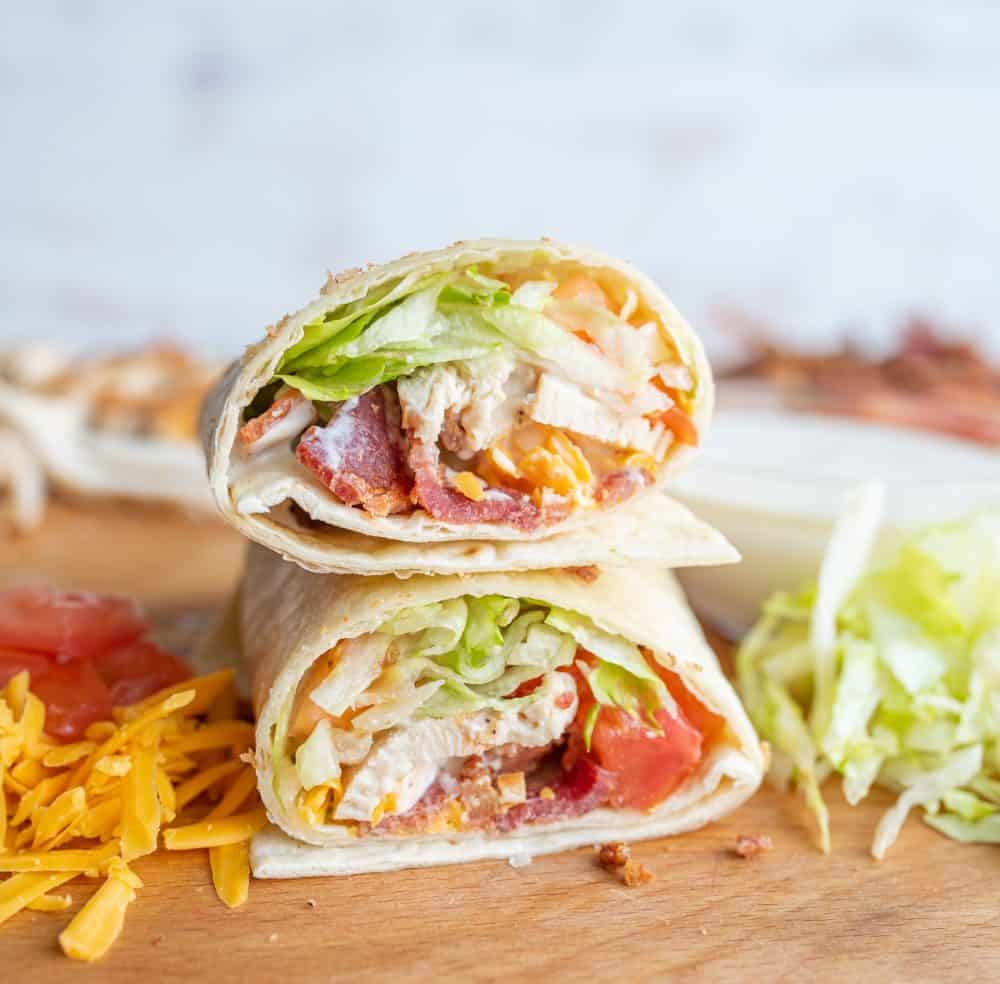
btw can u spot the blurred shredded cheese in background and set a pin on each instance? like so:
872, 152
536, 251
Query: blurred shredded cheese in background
168, 765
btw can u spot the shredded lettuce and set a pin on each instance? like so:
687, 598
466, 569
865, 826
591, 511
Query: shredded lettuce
483, 649
887, 671
621, 677
444, 317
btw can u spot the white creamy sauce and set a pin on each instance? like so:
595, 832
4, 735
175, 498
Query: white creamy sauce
773, 483
298, 418
336, 436
803, 463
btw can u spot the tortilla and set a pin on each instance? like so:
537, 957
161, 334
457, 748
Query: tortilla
255, 496
51, 401
289, 618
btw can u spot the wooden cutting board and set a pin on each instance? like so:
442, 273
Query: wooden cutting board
930, 912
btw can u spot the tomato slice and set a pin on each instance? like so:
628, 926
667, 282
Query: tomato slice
134, 671
67, 624
710, 724
647, 764
74, 697
12, 661
528, 687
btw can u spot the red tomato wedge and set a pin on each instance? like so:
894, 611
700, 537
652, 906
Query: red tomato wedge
12, 661
67, 624
74, 697
710, 724
648, 765
134, 671
85, 655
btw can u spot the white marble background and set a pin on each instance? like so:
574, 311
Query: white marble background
191, 168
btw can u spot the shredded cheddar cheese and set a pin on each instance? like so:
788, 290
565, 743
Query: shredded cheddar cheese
639, 459
470, 485
231, 872
499, 459
99, 923
167, 769
313, 804
215, 833
22, 890
50, 903
385, 805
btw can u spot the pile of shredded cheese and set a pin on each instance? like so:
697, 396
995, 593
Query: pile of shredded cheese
174, 764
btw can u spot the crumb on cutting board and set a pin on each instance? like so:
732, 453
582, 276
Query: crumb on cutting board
613, 855
752, 846
635, 874
617, 857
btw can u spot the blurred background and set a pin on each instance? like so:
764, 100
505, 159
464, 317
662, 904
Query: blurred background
191, 170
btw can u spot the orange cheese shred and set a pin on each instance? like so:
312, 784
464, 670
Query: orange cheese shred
93, 805
231, 872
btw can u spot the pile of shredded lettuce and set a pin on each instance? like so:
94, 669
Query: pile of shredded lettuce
483, 649
887, 670
446, 317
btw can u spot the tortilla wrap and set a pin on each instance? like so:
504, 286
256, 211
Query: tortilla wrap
289, 618
254, 493
22, 483
118, 425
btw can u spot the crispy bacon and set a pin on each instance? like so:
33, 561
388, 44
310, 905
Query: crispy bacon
448, 504
589, 574
584, 788
930, 383
635, 874
613, 855
359, 456
549, 795
253, 430
417, 818
621, 485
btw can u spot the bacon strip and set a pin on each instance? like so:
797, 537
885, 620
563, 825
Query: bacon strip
258, 427
358, 455
622, 485
584, 788
448, 504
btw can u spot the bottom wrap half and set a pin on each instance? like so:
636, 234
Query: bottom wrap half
441, 719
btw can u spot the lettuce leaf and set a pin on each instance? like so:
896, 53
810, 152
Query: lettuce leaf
484, 649
888, 672
444, 317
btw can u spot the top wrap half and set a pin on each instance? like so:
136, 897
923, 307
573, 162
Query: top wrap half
454, 410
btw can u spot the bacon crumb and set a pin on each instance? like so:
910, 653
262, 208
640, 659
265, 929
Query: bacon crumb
512, 788
750, 847
635, 874
614, 855
617, 858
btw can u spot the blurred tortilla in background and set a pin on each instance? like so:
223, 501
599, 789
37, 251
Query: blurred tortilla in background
120, 425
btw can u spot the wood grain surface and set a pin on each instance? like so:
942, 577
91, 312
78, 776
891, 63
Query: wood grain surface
930, 912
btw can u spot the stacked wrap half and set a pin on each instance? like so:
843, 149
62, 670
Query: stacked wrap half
505, 365
479, 650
